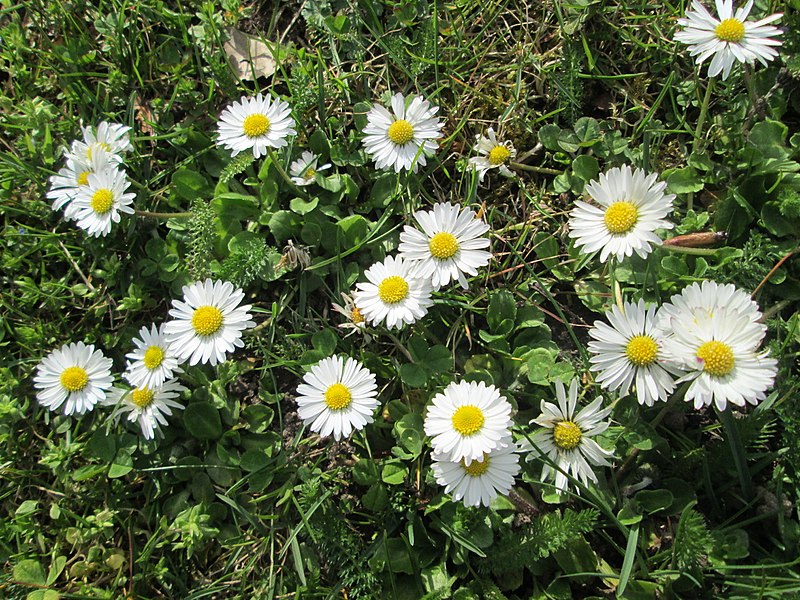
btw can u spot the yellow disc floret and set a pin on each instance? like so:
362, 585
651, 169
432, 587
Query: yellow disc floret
717, 358
621, 216
338, 397
153, 357
498, 155
309, 174
443, 245
102, 201
468, 419
142, 397
641, 350
730, 30
356, 316
207, 320
255, 125
393, 289
475, 468
74, 379
567, 435
82, 178
400, 132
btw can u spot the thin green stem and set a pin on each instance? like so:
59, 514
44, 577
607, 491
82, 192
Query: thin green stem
697, 144
737, 451
163, 215
689, 250
523, 167
285, 176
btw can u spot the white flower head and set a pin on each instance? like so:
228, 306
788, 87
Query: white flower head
627, 352
493, 155
208, 322
76, 376
304, 169
393, 293
566, 437
450, 245
355, 320
152, 363
468, 420
109, 138
721, 356
729, 38
64, 186
703, 300
480, 481
404, 139
338, 396
148, 405
255, 123
99, 203
632, 205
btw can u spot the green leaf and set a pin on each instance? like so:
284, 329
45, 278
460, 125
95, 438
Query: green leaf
654, 500
319, 144
324, 342
383, 190
683, 181
353, 229
394, 473
409, 432
548, 135
284, 225
302, 207
26, 508
253, 460
365, 472
540, 363
29, 571
587, 130
438, 359
122, 464
238, 207
586, 167
413, 375
627, 563
376, 498
190, 185
501, 306
768, 136
202, 421
102, 446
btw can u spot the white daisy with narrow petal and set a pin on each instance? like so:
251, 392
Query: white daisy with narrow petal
304, 170
152, 363
703, 300
64, 186
255, 124
99, 203
728, 38
481, 481
148, 405
721, 356
405, 139
627, 353
208, 322
468, 420
631, 205
393, 294
355, 320
109, 138
566, 437
76, 376
450, 245
493, 155
338, 396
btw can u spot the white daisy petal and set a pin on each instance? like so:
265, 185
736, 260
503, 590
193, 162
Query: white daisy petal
255, 124
75, 376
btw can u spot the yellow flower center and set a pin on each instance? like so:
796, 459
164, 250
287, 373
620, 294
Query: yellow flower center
101, 145
393, 289
338, 397
730, 30
82, 178
717, 358
468, 419
255, 125
641, 350
498, 155
443, 245
74, 379
309, 174
621, 216
567, 435
400, 132
207, 320
102, 201
142, 397
153, 357
356, 316
475, 468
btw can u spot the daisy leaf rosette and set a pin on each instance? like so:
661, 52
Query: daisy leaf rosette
148, 406
255, 124
728, 38
405, 137
76, 376
98, 204
208, 323
152, 362
631, 206
449, 247
468, 420
338, 396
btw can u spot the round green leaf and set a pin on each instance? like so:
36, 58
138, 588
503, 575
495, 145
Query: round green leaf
202, 420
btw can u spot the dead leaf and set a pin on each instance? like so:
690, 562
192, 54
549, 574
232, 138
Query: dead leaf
248, 56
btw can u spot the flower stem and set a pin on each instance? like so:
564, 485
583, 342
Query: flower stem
534, 169
285, 176
163, 215
697, 144
688, 250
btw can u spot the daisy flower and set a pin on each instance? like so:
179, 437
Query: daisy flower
208, 322
355, 320
148, 405
627, 352
109, 138
566, 437
493, 155
393, 294
404, 139
98, 203
480, 481
450, 244
704, 299
77, 375
338, 396
304, 169
64, 186
258, 123
152, 363
632, 205
721, 354
468, 420
728, 38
